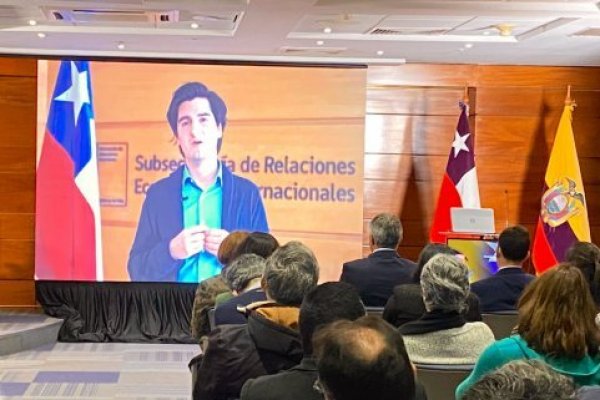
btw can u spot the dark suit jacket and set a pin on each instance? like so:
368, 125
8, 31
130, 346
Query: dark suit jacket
227, 312
376, 275
406, 305
501, 291
162, 218
294, 384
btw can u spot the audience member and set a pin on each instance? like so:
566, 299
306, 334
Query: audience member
243, 276
442, 335
586, 257
556, 325
270, 341
501, 291
364, 359
327, 303
259, 243
376, 275
406, 303
210, 288
518, 380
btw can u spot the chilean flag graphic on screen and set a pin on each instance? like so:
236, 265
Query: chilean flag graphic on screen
68, 234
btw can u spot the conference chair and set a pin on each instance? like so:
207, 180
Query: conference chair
211, 319
377, 311
501, 323
440, 381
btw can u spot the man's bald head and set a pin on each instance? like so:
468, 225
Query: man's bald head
363, 359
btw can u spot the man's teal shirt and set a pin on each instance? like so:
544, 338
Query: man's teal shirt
201, 207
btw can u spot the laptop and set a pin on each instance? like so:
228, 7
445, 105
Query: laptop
472, 220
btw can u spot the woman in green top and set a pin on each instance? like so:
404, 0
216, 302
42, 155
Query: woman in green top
556, 325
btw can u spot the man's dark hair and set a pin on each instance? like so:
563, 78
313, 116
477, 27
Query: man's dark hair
386, 231
364, 359
514, 243
190, 91
327, 303
291, 272
522, 379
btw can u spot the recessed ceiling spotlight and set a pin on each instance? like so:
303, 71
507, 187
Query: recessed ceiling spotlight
320, 43
194, 25
327, 30
379, 52
468, 45
486, 33
32, 22
41, 35
120, 45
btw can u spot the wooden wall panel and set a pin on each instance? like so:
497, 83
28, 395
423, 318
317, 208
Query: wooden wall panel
17, 292
412, 114
514, 113
17, 180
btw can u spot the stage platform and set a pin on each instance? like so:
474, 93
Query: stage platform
22, 330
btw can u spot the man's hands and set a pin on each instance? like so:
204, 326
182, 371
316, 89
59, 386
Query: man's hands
213, 239
191, 241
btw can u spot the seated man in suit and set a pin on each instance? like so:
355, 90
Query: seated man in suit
501, 292
243, 276
376, 275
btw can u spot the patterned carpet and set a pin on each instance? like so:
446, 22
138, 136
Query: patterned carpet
98, 371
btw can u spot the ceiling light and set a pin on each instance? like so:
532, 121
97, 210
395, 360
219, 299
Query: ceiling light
468, 45
120, 45
327, 30
320, 43
486, 33
194, 25
41, 35
379, 52
32, 22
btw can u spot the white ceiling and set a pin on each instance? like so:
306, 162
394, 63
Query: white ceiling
544, 32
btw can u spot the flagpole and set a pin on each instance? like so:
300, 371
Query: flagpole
568, 100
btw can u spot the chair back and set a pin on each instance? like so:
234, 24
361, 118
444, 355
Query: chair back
378, 311
211, 318
440, 381
501, 323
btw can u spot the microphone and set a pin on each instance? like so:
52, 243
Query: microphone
506, 202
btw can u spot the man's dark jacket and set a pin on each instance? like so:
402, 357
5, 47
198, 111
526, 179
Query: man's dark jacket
502, 291
376, 275
162, 219
227, 313
406, 305
236, 353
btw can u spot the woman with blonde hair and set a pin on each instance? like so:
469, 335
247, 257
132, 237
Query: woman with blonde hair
555, 325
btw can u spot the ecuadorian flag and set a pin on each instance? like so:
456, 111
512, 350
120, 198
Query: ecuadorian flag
563, 216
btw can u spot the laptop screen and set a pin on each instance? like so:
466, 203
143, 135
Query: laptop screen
480, 256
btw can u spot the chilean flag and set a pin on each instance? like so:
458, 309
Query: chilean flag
459, 187
68, 235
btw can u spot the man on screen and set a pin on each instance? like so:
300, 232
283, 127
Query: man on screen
186, 215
